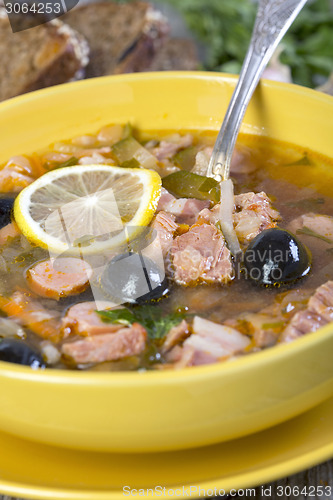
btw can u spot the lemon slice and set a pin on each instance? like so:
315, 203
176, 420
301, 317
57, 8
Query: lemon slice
90, 208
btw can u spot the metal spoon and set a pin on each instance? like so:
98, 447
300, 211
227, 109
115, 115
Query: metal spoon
274, 17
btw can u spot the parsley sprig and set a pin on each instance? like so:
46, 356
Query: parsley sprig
150, 317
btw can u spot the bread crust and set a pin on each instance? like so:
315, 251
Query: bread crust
122, 37
46, 55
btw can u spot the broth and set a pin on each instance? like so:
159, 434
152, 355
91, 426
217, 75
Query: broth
297, 182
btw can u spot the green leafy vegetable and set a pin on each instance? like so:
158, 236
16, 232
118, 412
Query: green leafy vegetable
189, 185
185, 158
128, 131
309, 232
130, 150
122, 316
69, 163
303, 161
133, 163
225, 26
150, 317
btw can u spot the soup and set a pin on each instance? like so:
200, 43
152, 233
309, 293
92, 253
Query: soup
173, 293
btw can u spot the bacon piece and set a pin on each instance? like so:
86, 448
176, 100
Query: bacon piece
200, 255
318, 313
82, 319
211, 342
176, 335
303, 322
126, 342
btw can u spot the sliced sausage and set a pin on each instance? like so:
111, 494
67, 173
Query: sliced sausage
59, 278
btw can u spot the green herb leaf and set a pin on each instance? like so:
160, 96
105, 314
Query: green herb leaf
225, 26
189, 185
150, 317
69, 163
310, 232
132, 163
122, 316
303, 161
185, 159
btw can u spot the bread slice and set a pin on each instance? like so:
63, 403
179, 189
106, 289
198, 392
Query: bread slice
39, 57
123, 37
176, 54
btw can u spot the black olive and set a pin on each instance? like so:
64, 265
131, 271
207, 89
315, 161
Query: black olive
17, 351
135, 279
276, 256
6, 205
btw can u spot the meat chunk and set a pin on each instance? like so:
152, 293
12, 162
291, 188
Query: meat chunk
241, 161
200, 255
166, 200
318, 313
254, 214
176, 335
186, 210
126, 342
211, 216
303, 322
168, 148
321, 302
211, 342
165, 226
263, 328
82, 319
59, 278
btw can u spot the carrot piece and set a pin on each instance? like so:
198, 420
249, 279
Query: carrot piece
22, 306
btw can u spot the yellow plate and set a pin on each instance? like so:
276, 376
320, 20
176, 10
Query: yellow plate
56, 473
172, 409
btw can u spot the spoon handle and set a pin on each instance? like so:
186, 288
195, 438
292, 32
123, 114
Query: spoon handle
274, 17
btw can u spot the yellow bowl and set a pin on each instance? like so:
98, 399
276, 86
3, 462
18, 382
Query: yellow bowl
168, 410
